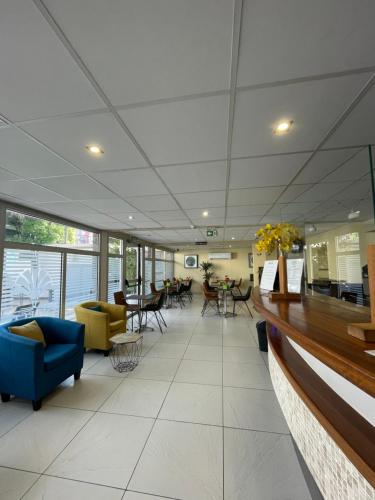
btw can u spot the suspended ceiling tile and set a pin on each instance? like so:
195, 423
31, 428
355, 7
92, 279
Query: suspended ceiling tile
144, 224
265, 171
322, 192
67, 208
312, 105
353, 169
292, 192
213, 221
242, 211
69, 137
196, 177
322, 163
115, 205
143, 182
283, 40
175, 223
293, 208
212, 212
141, 50
254, 196
28, 159
159, 202
7, 176
136, 216
358, 127
357, 190
251, 219
165, 215
202, 199
97, 219
76, 187
25, 191
38, 76
184, 131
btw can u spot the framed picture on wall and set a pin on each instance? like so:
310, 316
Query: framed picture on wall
251, 259
191, 261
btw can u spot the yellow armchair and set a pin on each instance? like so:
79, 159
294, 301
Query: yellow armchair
101, 325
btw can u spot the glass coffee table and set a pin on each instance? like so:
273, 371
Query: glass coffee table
126, 351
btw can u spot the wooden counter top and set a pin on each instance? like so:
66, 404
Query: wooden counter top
319, 325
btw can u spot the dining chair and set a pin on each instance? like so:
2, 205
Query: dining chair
211, 299
132, 308
242, 299
155, 307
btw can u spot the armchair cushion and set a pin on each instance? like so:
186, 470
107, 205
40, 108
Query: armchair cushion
117, 325
55, 354
30, 330
95, 308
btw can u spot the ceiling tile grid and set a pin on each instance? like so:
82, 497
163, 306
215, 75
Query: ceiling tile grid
161, 106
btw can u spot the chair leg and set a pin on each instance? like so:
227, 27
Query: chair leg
204, 307
37, 404
165, 324
234, 307
157, 319
77, 375
249, 310
5, 397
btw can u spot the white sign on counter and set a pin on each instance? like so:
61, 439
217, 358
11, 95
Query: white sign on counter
294, 269
268, 275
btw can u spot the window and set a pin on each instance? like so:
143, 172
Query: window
81, 281
148, 252
349, 268
148, 275
114, 246
31, 284
159, 273
114, 277
23, 228
131, 265
169, 270
159, 254
347, 242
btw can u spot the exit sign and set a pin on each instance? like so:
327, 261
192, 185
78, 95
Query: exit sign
211, 232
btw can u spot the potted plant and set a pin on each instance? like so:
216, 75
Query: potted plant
279, 237
207, 270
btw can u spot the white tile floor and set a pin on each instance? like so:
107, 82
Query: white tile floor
196, 420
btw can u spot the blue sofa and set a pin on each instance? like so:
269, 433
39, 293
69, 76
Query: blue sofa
30, 371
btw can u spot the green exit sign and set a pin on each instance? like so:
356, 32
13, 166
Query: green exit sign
211, 232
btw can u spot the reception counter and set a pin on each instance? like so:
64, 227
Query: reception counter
325, 383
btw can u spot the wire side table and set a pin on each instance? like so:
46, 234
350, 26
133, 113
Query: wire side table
126, 351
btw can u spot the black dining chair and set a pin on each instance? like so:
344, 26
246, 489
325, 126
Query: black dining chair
155, 307
242, 299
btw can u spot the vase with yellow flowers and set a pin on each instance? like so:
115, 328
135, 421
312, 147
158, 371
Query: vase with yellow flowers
279, 237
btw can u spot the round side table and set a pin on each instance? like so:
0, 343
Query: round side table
126, 351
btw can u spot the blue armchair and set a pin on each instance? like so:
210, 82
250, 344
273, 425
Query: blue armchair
30, 371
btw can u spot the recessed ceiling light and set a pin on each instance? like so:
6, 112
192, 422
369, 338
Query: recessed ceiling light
130, 217
205, 213
94, 149
233, 238
283, 127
